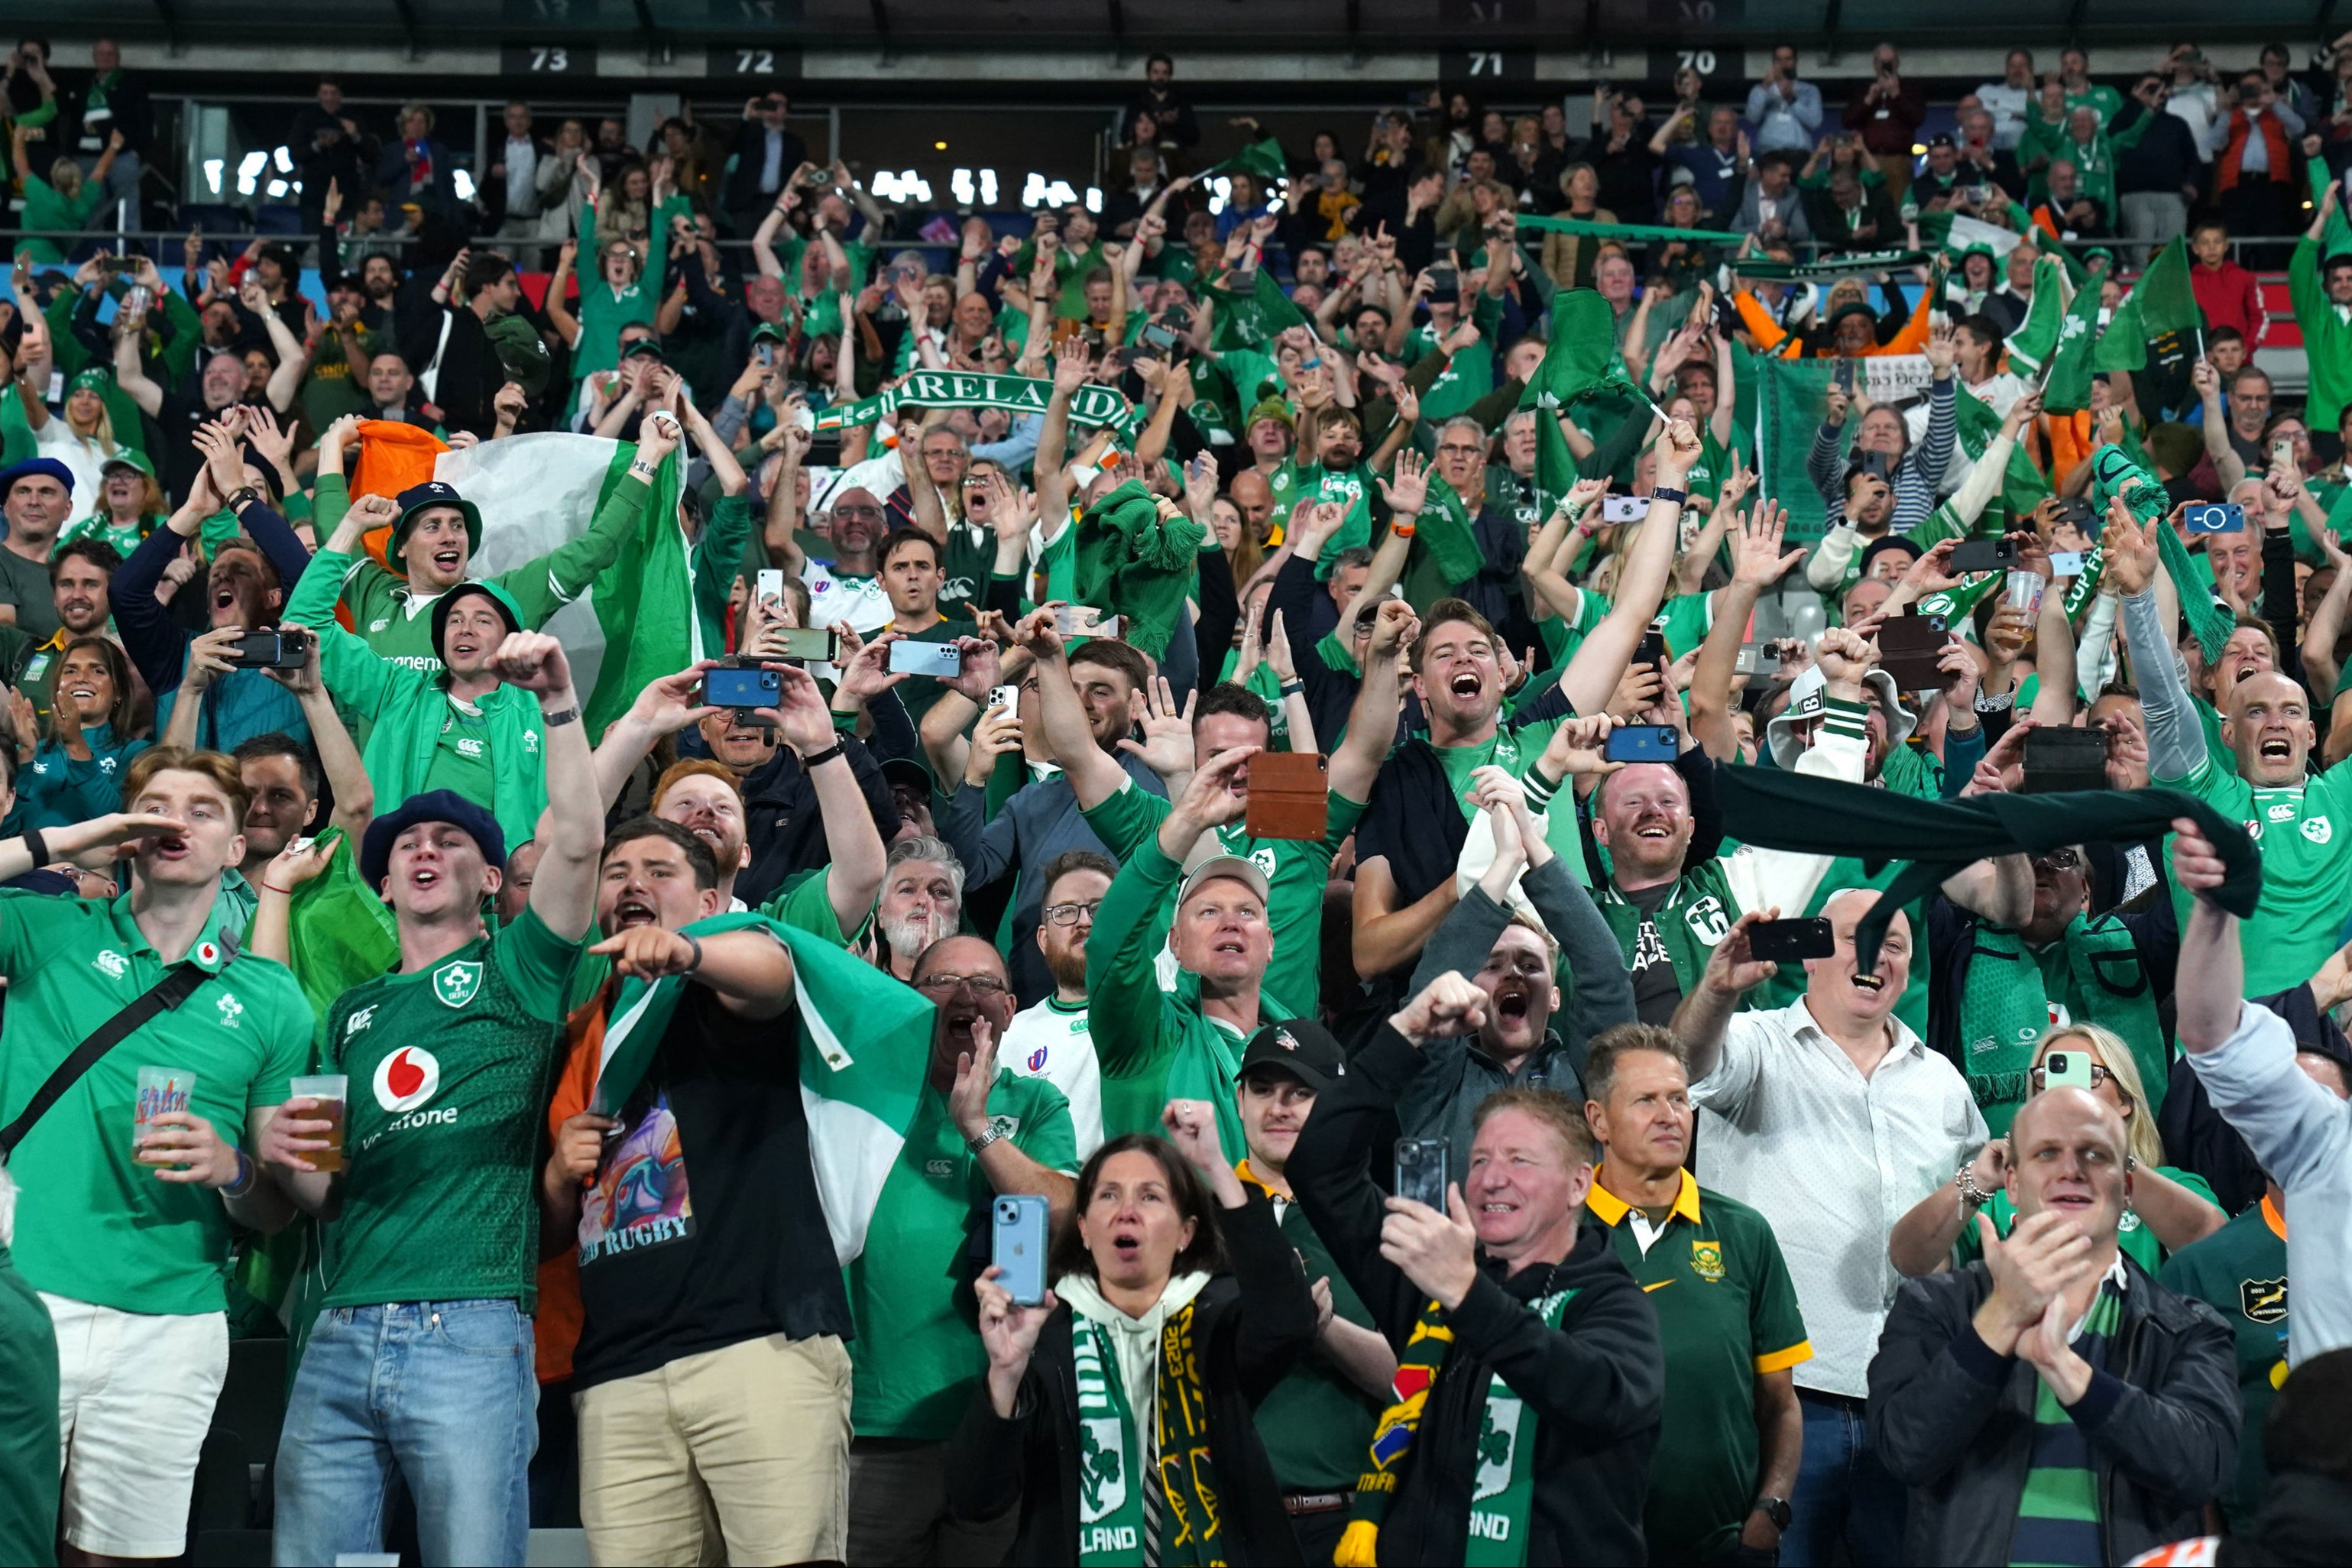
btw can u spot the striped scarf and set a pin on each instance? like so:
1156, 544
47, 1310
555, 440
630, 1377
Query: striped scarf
2058, 1513
1139, 1508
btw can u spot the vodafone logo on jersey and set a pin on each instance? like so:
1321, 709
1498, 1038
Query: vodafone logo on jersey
406, 1078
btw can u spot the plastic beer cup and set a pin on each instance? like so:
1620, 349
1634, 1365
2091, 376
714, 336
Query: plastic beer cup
329, 1089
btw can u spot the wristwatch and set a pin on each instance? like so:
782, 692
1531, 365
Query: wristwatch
1667, 492
987, 1137
1775, 1508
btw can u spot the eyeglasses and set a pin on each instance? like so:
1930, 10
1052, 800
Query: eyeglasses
2039, 1075
1067, 914
857, 511
2060, 860
947, 984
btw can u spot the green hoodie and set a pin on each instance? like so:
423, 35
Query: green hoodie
406, 712
396, 625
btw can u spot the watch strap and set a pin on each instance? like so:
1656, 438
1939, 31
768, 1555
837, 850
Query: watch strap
1667, 492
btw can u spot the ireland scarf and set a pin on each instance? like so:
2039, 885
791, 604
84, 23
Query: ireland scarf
1114, 1516
1502, 1495
864, 1044
636, 621
961, 389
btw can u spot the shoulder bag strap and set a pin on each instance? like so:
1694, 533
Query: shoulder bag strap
167, 992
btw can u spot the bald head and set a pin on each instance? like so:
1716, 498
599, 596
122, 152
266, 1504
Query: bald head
2069, 1151
1251, 497
2269, 729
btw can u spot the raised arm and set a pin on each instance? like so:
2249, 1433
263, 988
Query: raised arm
1594, 673
853, 850
572, 828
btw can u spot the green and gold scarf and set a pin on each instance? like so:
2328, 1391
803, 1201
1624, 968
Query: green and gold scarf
1184, 1514
1502, 1497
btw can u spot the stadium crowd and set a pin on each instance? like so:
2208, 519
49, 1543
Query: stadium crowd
1656, 809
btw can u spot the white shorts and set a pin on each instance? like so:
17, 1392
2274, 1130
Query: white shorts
135, 1397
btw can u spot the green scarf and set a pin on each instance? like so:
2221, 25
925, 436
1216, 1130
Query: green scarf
1777, 810
1501, 1499
1112, 1512
2005, 1010
1090, 404
1628, 232
1133, 563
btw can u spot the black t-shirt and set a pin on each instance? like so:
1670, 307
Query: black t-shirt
1656, 990
704, 1229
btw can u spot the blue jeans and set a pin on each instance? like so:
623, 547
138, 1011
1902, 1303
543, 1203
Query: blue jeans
442, 1394
1841, 1492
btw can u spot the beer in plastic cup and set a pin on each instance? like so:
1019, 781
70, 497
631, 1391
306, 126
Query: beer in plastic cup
161, 1091
329, 1089
2025, 592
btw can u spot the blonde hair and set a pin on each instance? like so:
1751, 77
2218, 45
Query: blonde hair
65, 178
2142, 1141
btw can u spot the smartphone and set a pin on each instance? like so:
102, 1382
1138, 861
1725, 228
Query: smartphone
2058, 760
1006, 699
768, 586
1651, 651
1787, 941
1643, 744
2066, 562
2066, 1069
1984, 555
1757, 655
1420, 1171
1016, 1245
1085, 621
909, 657
813, 645
1289, 796
1624, 509
1908, 647
1158, 339
2215, 517
2283, 457
1444, 284
1878, 464
272, 650
1845, 376
742, 686
765, 352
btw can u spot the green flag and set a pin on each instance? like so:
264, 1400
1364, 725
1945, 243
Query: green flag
1253, 320
864, 1044
1446, 554
2162, 304
2036, 337
1583, 341
340, 928
644, 601
2067, 389
1262, 161
1975, 426
1783, 402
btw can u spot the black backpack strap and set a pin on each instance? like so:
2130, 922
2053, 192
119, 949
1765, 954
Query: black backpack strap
167, 992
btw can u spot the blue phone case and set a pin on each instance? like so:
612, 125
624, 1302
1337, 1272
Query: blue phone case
1017, 1243
1642, 744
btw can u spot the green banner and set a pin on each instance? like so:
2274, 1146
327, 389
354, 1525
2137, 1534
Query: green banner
1632, 233
966, 389
1828, 266
1783, 402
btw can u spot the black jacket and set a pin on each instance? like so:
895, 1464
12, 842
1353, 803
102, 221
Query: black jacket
1595, 1384
2305, 1517
784, 827
992, 1464
741, 192
1954, 1422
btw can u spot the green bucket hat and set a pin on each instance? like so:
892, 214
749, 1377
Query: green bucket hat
96, 378
521, 353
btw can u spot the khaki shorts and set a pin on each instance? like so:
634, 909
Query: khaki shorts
135, 1397
743, 1451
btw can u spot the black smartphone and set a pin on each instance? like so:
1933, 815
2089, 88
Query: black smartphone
1787, 941
736, 686
1651, 650
1160, 340
2059, 759
1420, 1171
1878, 464
1845, 376
287, 649
1985, 555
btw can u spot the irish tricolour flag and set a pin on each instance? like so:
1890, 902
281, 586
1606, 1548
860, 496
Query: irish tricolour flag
864, 1044
636, 621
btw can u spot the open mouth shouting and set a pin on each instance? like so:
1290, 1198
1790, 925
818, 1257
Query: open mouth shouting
449, 561
1869, 985
634, 910
2276, 749
1514, 999
1466, 685
224, 598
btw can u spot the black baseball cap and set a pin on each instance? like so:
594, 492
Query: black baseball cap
908, 772
1299, 1047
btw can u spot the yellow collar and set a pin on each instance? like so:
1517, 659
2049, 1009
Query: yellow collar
1612, 1210
1250, 1176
